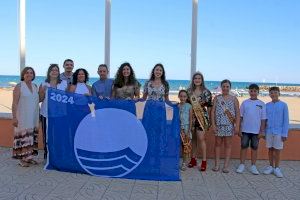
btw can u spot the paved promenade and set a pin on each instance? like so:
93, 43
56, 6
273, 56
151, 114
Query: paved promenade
35, 183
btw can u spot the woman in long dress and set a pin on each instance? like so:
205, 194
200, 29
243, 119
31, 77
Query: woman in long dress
25, 110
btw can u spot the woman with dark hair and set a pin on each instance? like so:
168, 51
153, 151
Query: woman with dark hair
157, 88
79, 85
201, 100
126, 86
225, 120
52, 81
25, 111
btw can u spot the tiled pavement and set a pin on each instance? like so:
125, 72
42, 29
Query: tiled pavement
35, 183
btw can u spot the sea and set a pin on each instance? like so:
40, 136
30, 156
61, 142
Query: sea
175, 85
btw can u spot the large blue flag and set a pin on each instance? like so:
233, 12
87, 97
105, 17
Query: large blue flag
113, 138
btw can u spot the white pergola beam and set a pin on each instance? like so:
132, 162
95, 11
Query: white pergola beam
194, 37
22, 28
107, 33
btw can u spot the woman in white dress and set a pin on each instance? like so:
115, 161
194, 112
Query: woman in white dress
52, 81
79, 85
25, 111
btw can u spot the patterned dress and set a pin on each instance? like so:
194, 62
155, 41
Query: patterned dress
156, 93
206, 97
224, 126
25, 135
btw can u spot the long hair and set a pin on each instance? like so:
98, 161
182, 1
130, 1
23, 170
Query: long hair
187, 94
192, 86
75, 79
48, 78
24, 72
163, 76
120, 79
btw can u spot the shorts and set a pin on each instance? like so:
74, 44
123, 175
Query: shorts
274, 141
249, 139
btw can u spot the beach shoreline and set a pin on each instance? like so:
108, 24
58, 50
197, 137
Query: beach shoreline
6, 95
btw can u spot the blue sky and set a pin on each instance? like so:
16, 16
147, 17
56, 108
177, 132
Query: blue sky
249, 40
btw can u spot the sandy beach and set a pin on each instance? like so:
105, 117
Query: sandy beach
293, 103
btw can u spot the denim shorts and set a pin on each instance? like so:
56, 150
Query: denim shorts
249, 139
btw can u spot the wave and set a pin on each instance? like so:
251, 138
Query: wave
115, 164
109, 155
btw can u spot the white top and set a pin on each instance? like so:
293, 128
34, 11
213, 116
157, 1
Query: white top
252, 111
61, 86
28, 107
81, 88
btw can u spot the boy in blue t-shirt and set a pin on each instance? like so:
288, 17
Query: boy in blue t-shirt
276, 131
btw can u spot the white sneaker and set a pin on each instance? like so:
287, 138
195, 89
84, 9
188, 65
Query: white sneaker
268, 170
183, 167
278, 172
254, 170
240, 169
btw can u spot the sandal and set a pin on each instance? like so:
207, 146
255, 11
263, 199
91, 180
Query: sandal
216, 168
31, 161
23, 164
225, 170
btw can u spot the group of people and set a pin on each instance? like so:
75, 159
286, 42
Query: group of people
200, 113
27, 96
224, 117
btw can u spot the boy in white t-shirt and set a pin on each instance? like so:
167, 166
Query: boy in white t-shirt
253, 122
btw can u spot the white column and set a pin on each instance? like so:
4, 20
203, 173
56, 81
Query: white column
194, 37
107, 33
22, 9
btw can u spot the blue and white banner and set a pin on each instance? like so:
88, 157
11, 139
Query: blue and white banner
113, 138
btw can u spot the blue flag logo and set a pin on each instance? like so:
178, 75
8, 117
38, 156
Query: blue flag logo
115, 144
112, 138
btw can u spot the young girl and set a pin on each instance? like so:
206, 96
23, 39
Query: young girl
225, 123
186, 114
201, 100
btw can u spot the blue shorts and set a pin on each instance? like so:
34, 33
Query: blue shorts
249, 139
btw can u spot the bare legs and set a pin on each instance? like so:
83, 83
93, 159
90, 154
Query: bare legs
198, 139
218, 145
274, 157
201, 140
